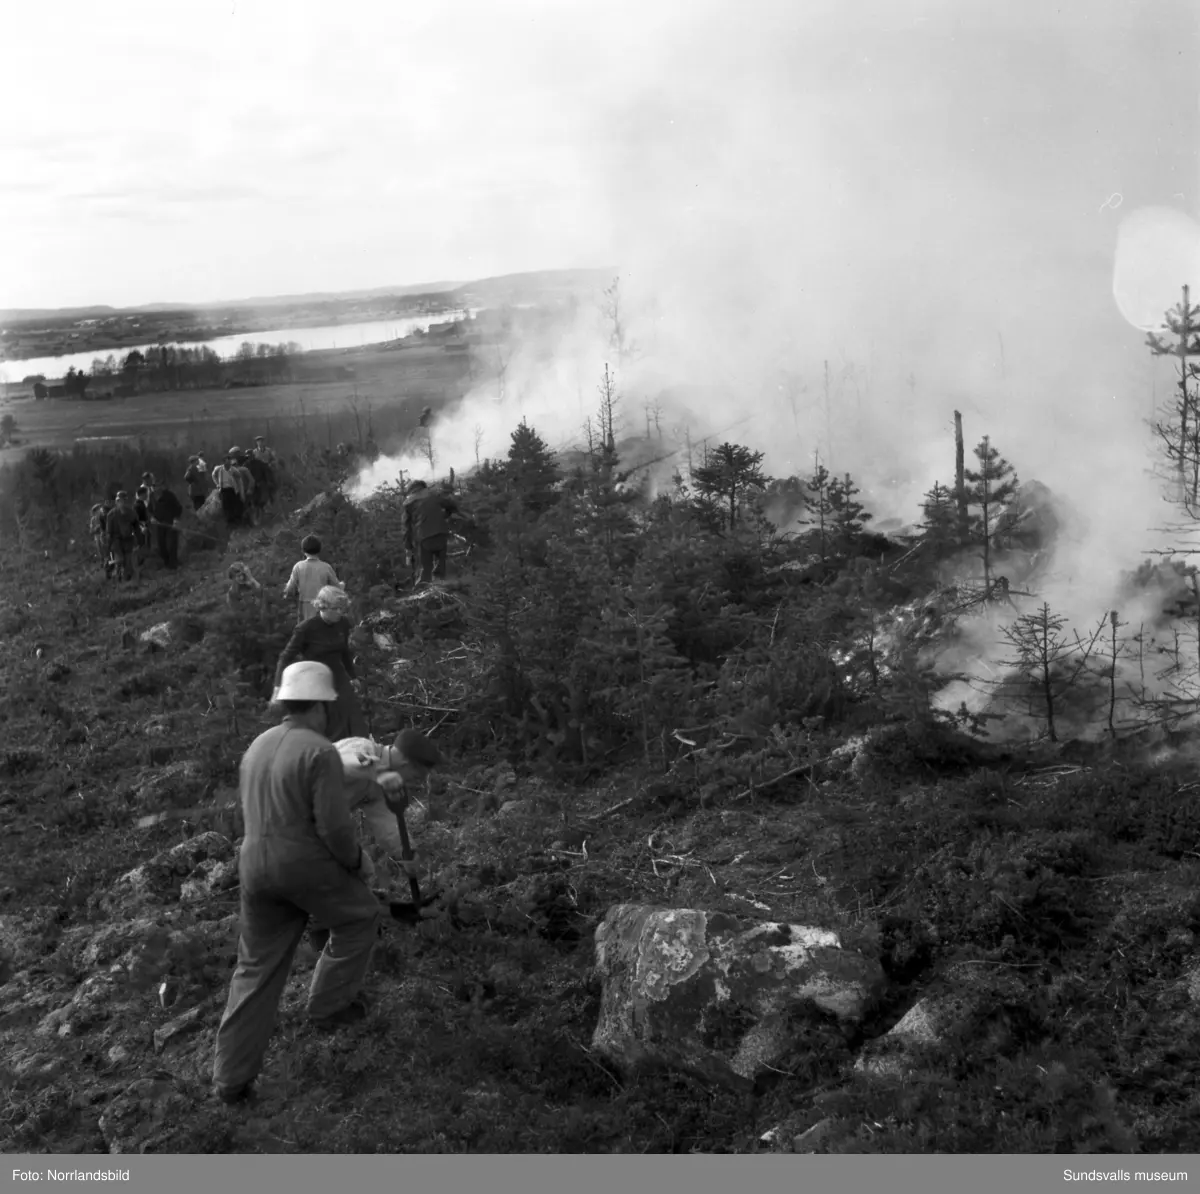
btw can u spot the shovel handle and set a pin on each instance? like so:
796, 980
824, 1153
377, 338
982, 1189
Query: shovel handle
406, 852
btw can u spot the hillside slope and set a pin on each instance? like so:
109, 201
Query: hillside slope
1053, 904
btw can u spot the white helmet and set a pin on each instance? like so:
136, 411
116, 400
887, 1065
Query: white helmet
306, 681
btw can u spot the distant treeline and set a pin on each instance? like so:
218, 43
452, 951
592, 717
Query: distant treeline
183, 368
180, 367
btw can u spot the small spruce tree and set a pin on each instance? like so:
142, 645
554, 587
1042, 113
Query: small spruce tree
532, 470
821, 508
940, 522
990, 488
1181, 433
727, 474
850, 516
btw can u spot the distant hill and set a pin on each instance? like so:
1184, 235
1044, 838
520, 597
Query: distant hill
24, 314
507, 288
528, 287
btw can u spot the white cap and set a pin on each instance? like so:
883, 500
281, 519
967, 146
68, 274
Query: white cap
306, 681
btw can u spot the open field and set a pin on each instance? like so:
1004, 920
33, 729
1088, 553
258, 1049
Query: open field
391, 385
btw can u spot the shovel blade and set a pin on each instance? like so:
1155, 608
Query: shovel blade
409, 913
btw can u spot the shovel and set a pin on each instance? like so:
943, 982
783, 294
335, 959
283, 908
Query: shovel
400, 910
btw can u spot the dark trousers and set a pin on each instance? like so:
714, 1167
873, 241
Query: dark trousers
231, 504
126, 552
198, 500
275, 913
168, 545
433, 557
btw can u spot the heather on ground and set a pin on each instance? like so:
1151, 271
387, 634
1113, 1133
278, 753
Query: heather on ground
661, 699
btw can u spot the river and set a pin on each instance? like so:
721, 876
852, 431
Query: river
341, 335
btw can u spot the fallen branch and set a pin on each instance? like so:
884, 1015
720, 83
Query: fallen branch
615, 808
769, 783
426, 708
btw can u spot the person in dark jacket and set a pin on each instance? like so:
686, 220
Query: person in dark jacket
122, 535
427, 516
165, 512
141, 507
325, 638
300, 861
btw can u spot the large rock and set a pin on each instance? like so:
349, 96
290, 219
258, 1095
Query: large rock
331, 501
161, 878
721, 997
968, 1000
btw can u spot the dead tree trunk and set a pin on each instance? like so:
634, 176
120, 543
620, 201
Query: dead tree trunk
960, 482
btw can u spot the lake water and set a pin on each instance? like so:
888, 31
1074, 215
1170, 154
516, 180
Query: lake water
342, 335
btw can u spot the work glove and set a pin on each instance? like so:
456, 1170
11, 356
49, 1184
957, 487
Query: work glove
366, 869
394, 792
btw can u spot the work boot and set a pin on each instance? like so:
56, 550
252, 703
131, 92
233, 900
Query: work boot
353, 1013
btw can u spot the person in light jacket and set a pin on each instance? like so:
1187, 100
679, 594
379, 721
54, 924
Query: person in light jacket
309, 576
379, 780
227, 481
300, 860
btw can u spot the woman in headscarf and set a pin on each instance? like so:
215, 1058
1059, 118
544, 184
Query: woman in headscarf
325, 638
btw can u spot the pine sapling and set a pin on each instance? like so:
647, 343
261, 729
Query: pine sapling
1049, 661
990, 488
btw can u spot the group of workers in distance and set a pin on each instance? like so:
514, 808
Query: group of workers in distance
124, 528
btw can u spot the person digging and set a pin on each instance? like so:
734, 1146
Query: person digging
300, 860
379, 781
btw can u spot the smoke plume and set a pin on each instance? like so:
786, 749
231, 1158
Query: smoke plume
835, 227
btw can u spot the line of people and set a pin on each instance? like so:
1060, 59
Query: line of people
124, 528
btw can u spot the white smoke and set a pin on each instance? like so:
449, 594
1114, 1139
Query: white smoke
821, 257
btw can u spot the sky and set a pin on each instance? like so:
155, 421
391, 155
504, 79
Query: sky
219, 149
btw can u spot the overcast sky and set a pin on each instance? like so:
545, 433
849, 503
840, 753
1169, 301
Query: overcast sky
209, 149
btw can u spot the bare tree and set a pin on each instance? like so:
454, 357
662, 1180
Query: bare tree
608, 411
618, 332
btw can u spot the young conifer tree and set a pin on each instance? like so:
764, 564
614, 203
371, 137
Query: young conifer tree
532, 470
990, 489
850, 516
820, 508
1050, 663
1181, 432
727, 474
940, 522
